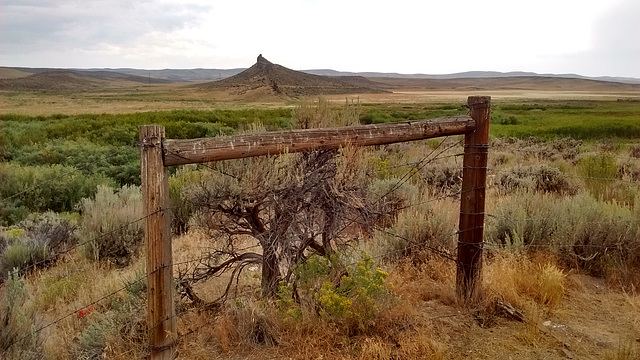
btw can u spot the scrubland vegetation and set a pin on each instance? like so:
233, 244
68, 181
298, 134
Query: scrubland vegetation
374, 279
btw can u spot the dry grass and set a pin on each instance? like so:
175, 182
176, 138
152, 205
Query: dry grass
421, 320
75, 283
127, 98
520, 280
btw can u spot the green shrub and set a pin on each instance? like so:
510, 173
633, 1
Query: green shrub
353, 301
375, 117
118, 322
58, 188
443, 176
504, 120
93, 340
562, 148
600, 173
523, 219
182, 207
63, 288
346, 295
388, 197
604, 237
120, 163
109, 225
598, 166
416, 230
601, 238
20, 256
51, 228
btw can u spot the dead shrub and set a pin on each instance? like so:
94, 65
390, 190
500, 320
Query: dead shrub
226, 333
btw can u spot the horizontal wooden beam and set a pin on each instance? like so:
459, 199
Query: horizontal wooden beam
180, 152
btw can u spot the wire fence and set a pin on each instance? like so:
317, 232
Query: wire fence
440, 152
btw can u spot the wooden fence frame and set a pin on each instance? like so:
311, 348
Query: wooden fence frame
158, 153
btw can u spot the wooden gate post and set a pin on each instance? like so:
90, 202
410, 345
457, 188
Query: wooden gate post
474, 179
161, 320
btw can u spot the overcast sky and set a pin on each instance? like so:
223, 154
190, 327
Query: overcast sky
587, 37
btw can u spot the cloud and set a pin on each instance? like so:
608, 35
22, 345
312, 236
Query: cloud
591, 37
32, 27
617, 40
614, 45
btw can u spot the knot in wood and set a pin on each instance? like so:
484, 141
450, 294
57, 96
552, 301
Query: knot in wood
151, 141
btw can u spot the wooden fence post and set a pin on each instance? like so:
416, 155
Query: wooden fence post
161, 320
474, 179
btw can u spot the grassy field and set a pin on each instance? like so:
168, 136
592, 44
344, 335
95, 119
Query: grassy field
562, 233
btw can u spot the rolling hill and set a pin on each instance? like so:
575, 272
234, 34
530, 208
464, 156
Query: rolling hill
506, 83
265, 79
66, 80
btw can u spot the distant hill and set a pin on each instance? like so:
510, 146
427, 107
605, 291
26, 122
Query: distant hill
112, 75
187, 75
266, 78
507, 83
51, 81
471, 75
65, 80
199, 75
8, 73
178, 75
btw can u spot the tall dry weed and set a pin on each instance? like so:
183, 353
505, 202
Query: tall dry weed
519, 280
625, 350
18, 339
312, 114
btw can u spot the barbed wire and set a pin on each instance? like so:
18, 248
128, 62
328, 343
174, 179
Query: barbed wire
411, 244
421, 164
72, 168
57, 255
78, 310
542, 218
538, 174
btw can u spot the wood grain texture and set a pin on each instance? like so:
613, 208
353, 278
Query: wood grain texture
472, 202
180, 152
161, 318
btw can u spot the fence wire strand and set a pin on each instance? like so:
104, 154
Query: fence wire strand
410, 244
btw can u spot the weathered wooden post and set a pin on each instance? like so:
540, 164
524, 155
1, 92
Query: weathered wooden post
161, 320
474, 179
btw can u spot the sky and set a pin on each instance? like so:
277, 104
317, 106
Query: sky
586, 37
